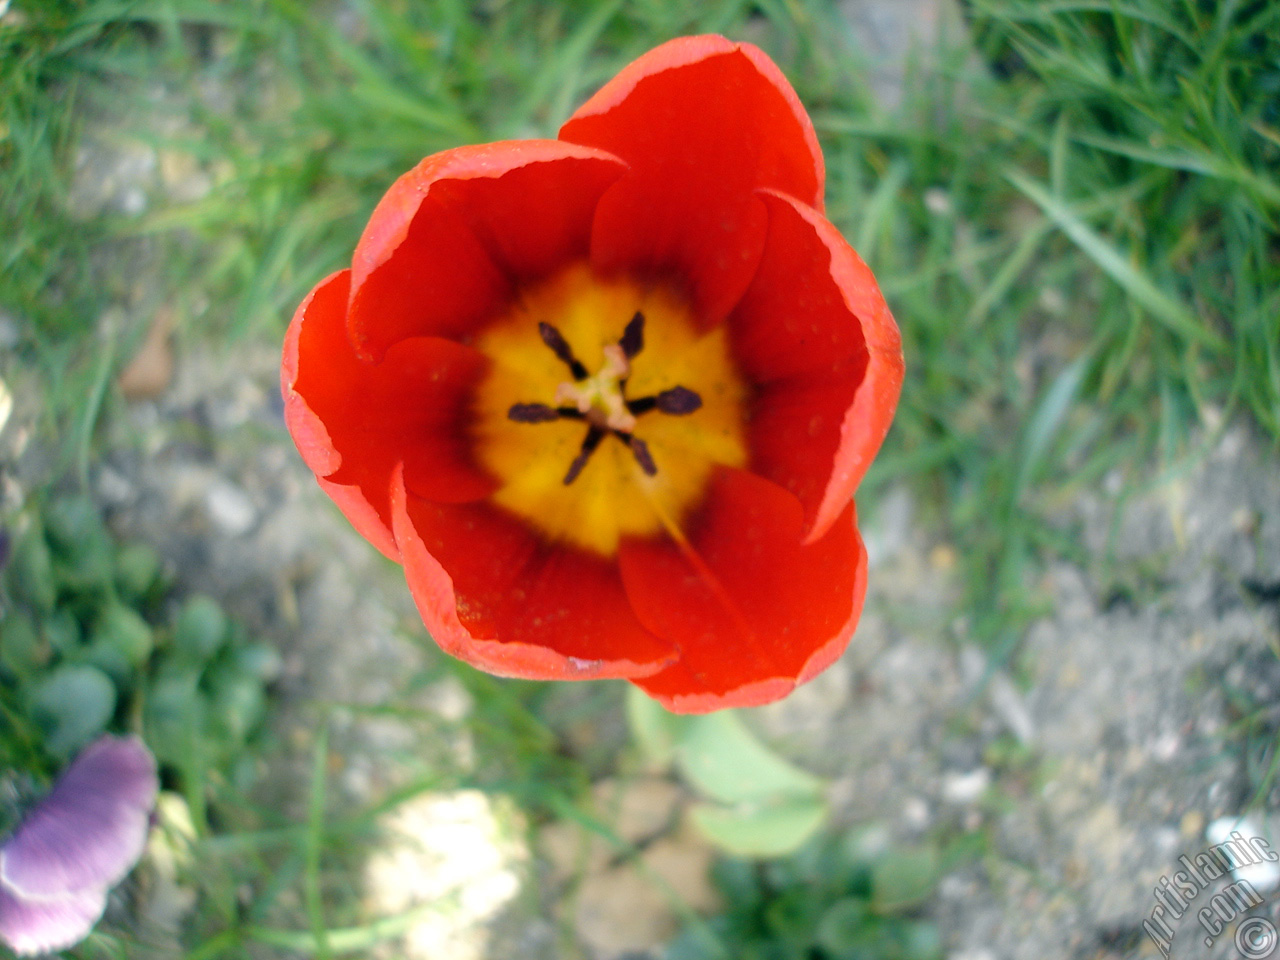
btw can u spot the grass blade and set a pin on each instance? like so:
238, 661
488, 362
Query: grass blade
1097, 248
314, 841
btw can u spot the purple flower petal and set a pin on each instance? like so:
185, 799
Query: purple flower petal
41, 926
90, 831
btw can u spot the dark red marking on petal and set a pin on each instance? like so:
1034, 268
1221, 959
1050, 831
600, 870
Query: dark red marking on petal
752, 608
414, 406
355, 420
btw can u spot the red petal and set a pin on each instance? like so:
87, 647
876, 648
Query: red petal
354, 420
702, 122
814, 334
445, 246
324, 310
364, 516
754, 611
493, 594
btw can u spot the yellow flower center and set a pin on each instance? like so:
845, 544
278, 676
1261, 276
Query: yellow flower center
605, 409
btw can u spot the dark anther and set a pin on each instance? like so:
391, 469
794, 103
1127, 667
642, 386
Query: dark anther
590, 442
632, 341
541, 413
678, 401
641, 451
560, 347
532, 413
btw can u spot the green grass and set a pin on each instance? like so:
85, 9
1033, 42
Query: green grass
1078, 235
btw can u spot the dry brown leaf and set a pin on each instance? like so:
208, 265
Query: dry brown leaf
151, 369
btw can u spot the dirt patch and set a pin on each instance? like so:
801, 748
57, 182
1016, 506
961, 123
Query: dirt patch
1101, 760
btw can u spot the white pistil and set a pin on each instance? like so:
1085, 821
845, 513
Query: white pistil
599, 398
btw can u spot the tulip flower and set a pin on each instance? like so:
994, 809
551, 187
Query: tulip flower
607, 397
66, 854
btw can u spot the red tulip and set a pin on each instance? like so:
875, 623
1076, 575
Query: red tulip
607, 397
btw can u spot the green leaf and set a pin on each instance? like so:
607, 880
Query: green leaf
903, 878
238, 701
21, 649
844, 925
794, 915
32, 570
656, 729
201, 629
84, 550
108, 659
86, 566
120, 628
137, 569
921, 940
62, 630
175, 711
73, 705
761, 831
72, 521
260, 660
725, 761
849, 931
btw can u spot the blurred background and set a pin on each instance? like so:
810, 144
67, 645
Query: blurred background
1067, 674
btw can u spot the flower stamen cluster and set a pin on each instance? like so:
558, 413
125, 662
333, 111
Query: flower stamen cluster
601, 399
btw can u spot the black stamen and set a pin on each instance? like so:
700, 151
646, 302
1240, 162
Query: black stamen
632, 341
532, 413
590, 442
560, 347
678, 401
641, 452
541, 413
